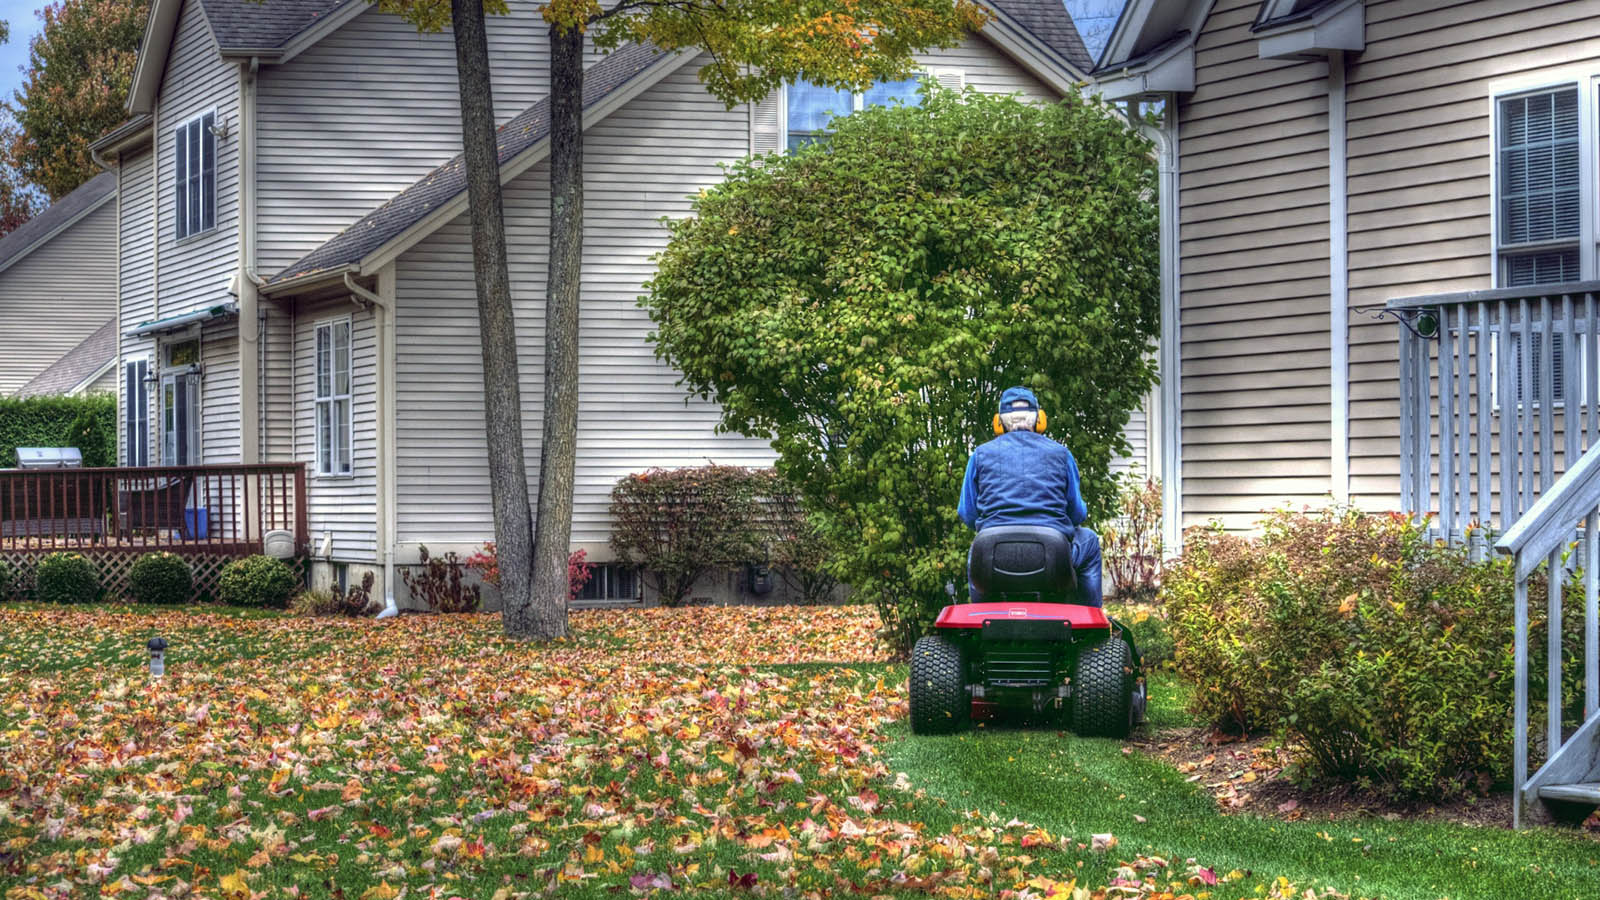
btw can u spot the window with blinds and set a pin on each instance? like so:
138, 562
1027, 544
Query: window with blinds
798, 114
1538, 188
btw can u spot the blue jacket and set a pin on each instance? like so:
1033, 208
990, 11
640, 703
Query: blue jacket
1022, 478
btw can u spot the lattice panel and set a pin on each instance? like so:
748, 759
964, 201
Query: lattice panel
114, 566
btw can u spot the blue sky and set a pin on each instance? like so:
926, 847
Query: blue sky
14, 53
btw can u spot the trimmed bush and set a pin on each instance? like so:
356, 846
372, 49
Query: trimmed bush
256, 581
357, 602
1384, 659
67, 578
88, 423
680, 524
8, 579
160, 577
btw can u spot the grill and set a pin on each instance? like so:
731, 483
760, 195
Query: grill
1018, 666
49, 458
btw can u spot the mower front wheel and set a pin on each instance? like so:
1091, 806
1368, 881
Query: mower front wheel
1103, 683
939, 701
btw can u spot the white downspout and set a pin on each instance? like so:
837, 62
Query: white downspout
250, 349
1170, 354
1338, 280
384, 325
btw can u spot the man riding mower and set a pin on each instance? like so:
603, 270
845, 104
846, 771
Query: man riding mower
1033, 637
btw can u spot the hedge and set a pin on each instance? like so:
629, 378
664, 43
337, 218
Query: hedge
88, 423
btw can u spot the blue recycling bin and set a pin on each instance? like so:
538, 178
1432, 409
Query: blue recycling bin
196, 521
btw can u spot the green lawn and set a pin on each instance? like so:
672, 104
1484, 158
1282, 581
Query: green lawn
1078, 786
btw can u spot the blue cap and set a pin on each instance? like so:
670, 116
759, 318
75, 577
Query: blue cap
1018, 399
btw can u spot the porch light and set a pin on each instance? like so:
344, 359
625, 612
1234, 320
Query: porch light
158, 663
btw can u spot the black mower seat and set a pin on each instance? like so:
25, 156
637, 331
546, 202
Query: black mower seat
1023, 560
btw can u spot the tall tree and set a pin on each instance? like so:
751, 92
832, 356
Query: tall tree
79, 68
754, 46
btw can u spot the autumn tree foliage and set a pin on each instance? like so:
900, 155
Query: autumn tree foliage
79, 68
754, 46
862, 303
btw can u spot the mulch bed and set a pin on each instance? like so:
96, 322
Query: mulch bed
1248, 775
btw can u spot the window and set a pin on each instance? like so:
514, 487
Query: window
810, 106
1539, 188
136, 413
333, 397
195, 176
611, 581
1558, 374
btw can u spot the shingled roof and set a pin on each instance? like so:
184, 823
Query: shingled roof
254, 25
1050, 22
443, 184
78, 365
31, 233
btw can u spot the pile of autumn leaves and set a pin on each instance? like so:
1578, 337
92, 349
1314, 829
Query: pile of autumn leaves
656, 752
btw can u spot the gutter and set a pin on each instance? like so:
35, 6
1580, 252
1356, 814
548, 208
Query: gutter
309, 279
384, 321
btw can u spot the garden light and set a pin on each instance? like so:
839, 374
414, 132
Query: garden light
158, 662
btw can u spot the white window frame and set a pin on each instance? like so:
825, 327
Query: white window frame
328, 467
941, 74
1587, 81
182, 176
601, 576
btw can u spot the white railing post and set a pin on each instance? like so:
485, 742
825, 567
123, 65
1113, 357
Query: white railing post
1519, 756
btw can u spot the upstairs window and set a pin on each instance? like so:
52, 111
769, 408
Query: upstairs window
808, 106
195, 175
1538, 186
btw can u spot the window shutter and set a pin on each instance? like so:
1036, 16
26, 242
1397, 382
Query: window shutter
954, 79
766, 124
208, 174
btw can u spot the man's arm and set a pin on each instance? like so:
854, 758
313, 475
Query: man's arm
1076, 510
967, 509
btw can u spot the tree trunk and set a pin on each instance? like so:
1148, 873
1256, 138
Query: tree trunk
502, 393
559, 438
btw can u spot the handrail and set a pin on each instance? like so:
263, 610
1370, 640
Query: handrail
1526, 292
1549, 523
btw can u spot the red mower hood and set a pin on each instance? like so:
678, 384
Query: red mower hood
972, 615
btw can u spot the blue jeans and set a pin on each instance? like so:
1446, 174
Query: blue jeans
1085, 559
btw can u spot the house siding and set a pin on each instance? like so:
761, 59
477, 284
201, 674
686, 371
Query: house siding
1419, 185
136, 287
366, 112
643, 162
1254, 314
345, 506
71, 277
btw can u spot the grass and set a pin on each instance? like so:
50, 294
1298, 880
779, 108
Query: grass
1077, 786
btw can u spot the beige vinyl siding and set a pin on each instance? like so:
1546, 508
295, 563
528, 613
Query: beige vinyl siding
61, 292
367, 111
987, 68
106, 383
1419, 157
1254, 313
135, 270
343, 506
643, 162
277, 383
219, 393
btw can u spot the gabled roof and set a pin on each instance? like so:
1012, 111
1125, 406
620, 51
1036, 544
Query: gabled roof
1050, 22
33, 233
81, 365
252, 24
448, 181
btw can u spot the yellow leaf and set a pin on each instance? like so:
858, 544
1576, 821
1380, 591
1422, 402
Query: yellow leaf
593, 854
234, 886
382, 891
634, 733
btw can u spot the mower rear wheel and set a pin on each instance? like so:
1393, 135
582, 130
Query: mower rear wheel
1102, 690
939, 701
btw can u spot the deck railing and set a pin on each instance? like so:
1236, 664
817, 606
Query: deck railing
216, 509
1494, 387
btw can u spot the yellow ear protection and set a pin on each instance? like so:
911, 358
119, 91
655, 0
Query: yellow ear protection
1038, 426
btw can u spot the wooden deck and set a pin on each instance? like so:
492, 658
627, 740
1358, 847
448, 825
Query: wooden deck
212, 510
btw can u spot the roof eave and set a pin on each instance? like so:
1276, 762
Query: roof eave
305, 280
1043, 61
152, 62
119, 138
1340, 25
1169, 71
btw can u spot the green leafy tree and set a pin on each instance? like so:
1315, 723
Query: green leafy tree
863, 302
754, 45
79, 68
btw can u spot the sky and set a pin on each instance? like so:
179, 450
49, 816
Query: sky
14, 53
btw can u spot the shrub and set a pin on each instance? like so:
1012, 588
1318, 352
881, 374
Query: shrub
355, 602
486, 563
256, 581
160, 577
8, 581
1383, 658
679, 524
88, 423
66, 578
1130, 544
861, 303
440, 584
795, 545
